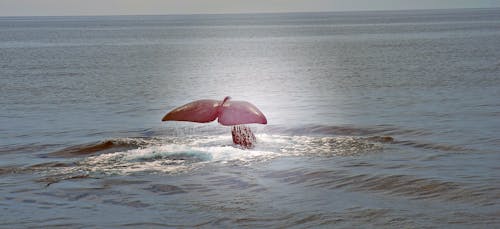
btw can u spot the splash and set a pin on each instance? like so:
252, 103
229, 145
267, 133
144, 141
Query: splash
172, 155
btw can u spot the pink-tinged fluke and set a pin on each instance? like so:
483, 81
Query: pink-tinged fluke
229, 113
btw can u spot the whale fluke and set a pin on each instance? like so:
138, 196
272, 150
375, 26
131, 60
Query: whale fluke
229, 113
204, 110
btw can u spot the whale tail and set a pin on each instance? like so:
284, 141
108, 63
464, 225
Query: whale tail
204, 110
228, 113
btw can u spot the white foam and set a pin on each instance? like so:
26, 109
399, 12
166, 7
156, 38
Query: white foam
176, 154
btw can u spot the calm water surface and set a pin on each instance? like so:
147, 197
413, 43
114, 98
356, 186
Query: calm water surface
375, 119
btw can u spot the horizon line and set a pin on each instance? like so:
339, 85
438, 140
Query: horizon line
250, 13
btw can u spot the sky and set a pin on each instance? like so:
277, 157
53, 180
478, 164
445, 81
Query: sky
142, 7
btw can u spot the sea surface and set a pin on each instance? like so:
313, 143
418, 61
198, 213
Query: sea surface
386, 119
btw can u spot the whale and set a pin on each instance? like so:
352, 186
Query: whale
228, 112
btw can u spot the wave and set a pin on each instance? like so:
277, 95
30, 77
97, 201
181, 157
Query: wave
106, 146
389, 184
172, 155
25, 148
180, 152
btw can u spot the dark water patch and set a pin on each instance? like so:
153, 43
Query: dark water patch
108, 183
28, 148
382, 139
231, 182
359, 164
399, 185
417, 144
92, 194
462, 218
24, 190
59, 225
348, 218
308, 219
432, 146
53, 222
197, 187
33, 168
41, 167
52, 179
8, 170
28, 201
126, 202
149, 225
92, 149
368, 215
54, 172
54, 164
250, 221
165, 189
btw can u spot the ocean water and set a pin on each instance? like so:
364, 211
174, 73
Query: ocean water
375, 119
